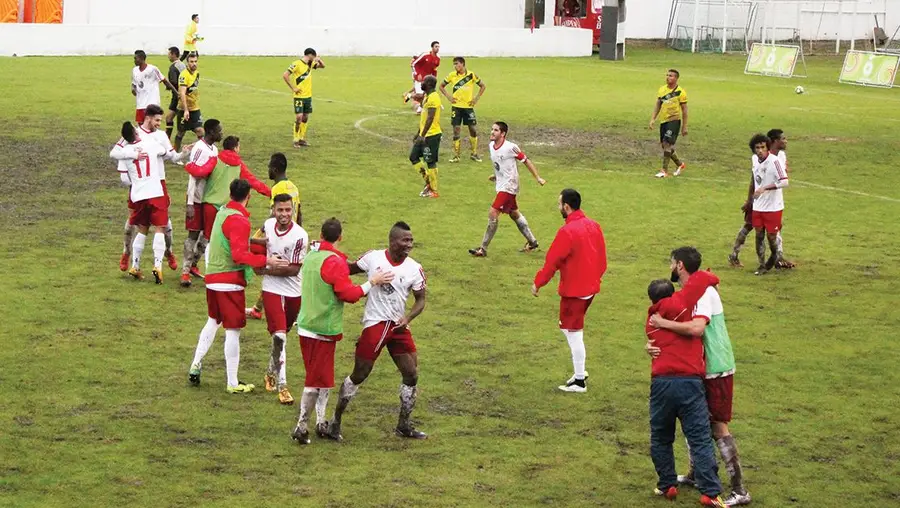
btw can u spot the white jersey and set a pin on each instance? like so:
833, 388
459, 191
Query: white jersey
506, 169
121, 152
146, 84
168, 152
200, 155
769, 171
387, 302
291, 245
144, 167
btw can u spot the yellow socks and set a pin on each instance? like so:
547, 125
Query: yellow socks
297, 131
474, 141
432, 178
456, 143
303, 127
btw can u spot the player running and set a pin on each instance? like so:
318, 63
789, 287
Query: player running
505, 155
769, 177
150, 205
708, 320
326, 286
281, 185
386, 324
145, 80
203, 160
427, 142
174, 73
189, 116
229, 266
579, 253
422, 66
672, 110
463, 82
281, 288
299, 79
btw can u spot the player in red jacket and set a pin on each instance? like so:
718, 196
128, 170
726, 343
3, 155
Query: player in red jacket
676, 390
423, 65
579, 253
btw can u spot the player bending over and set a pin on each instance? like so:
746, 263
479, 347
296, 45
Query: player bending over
505, 155
386, 324
299, 78
672, 110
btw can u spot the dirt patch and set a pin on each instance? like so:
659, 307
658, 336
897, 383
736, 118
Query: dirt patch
578, 146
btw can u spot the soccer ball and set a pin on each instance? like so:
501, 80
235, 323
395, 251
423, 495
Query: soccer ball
799, 90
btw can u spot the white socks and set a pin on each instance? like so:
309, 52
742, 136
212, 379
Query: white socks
137, 248
321, 404
207, 336
282, 370
159, 250
232, 356
168, 234
576, 344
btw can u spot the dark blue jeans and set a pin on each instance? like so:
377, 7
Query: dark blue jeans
683, 398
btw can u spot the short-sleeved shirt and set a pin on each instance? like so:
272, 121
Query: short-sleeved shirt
716, 342
387, 302
175, 72
505, 159
144, 170
432, 101
768, 172
292, 246
146, 84
463, 88
301, 76
192, 82
670, 102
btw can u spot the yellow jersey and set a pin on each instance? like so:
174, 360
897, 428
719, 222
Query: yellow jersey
301, 76
670, 101
287, 187
189, 33
432, 101
463, 88
192, 82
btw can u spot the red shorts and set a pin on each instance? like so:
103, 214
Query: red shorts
209, 218
719, 392
771, 221
505, 202
374, 338
281, 311
318, 360
227, 308
195, 223
139, 115
150, 212
572, 311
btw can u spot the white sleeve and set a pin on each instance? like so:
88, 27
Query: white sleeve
120, 152
299, 251
704, 306
363, 262
418, 282
191, 187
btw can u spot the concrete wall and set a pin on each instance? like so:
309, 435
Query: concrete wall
285, 27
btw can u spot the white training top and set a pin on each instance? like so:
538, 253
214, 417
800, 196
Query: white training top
387, 302
769, 171
291, 245
506, 169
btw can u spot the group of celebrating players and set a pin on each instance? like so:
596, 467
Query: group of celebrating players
308, 283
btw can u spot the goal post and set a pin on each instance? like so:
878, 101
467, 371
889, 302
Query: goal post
710, 26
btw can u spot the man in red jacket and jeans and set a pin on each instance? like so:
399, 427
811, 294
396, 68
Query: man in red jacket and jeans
677, 392
579, 253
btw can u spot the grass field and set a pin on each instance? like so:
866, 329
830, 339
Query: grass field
96, 409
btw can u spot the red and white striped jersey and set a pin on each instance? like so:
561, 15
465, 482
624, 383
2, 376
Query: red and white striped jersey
769, 171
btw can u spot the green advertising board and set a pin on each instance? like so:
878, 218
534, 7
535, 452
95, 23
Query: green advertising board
772, 60
869, 69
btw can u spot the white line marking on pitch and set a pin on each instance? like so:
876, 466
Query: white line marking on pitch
359, 126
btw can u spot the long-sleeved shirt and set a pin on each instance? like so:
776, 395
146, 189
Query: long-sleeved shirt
579, 253
679, 355
236, 229
231, 158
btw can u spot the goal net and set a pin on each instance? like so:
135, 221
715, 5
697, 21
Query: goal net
710, 26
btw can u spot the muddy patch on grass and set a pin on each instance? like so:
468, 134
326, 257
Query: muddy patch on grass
582, 146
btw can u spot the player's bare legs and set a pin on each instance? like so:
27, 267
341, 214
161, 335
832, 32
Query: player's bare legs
738, 243
531, 242
170, 123
761, 237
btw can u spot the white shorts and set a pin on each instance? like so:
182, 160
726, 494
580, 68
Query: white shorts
417, 86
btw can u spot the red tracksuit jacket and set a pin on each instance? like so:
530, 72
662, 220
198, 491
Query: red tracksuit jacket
579, 253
